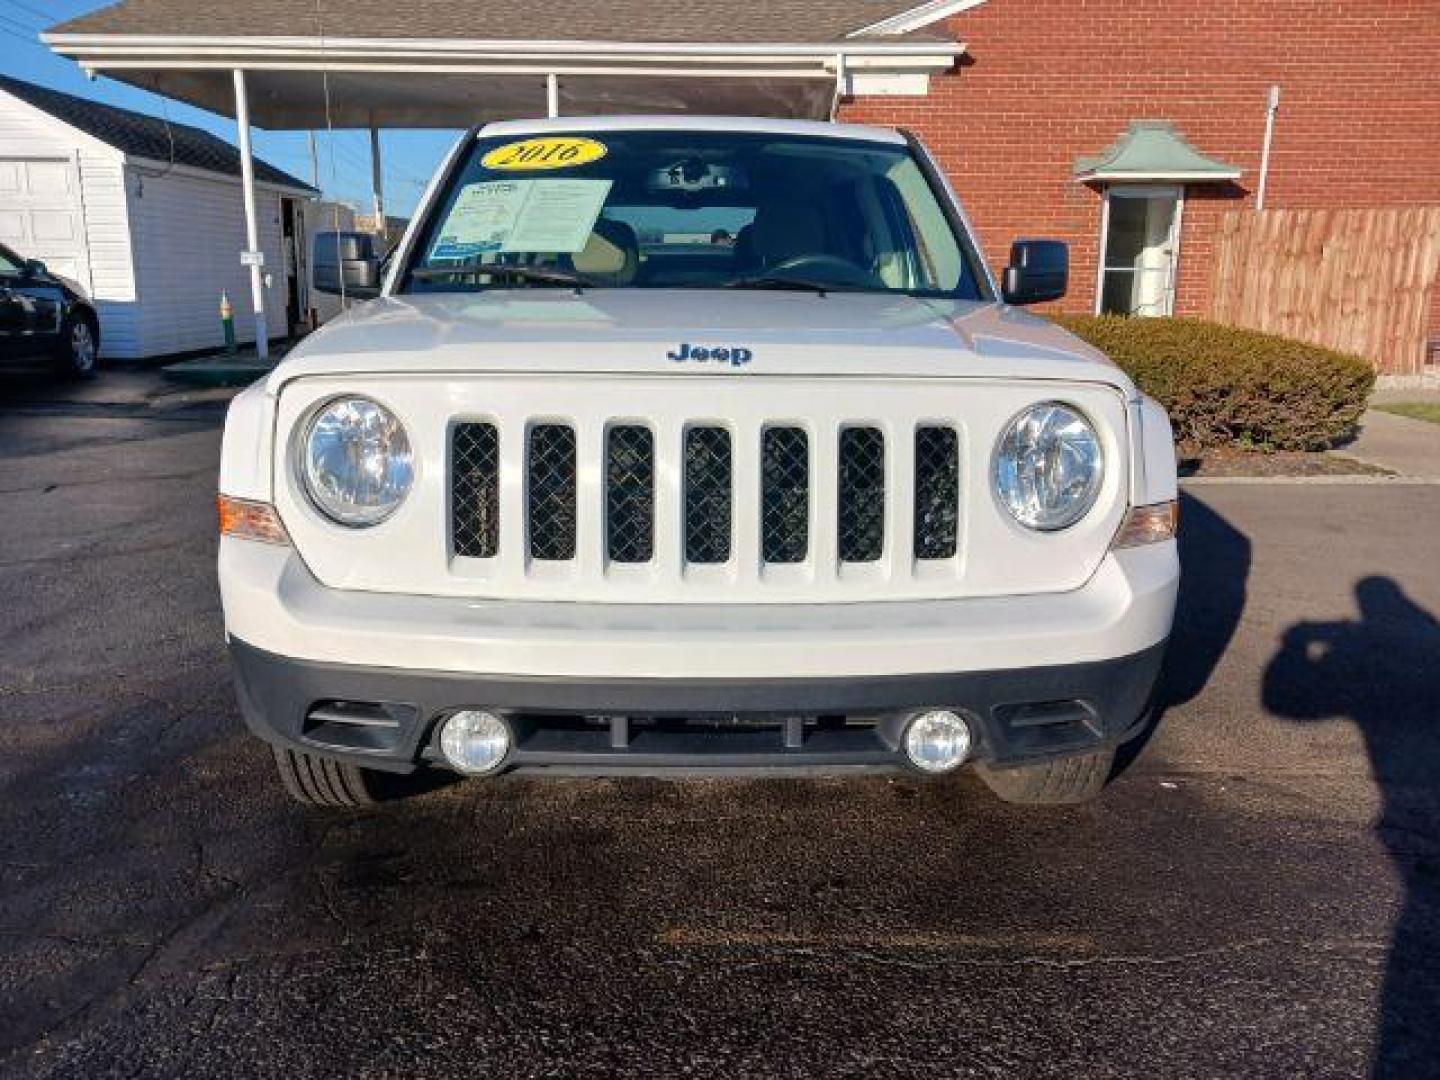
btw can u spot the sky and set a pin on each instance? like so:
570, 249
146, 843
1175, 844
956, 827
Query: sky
409, 157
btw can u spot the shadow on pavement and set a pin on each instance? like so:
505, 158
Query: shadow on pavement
1215, 569
1381, 671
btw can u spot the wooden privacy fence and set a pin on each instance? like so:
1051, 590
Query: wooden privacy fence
1357, 280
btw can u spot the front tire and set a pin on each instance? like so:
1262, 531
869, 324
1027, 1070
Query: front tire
1063, 782
317, 781
78, 356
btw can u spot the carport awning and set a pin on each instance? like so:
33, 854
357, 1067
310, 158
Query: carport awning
381, 90
1153, 150
435, 63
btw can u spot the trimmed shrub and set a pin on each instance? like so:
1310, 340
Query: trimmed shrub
1228, 387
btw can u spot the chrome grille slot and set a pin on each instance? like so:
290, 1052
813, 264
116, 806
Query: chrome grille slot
550, 471
860, 524
475, 490
630, 494
785, 494
709, 482
937, 492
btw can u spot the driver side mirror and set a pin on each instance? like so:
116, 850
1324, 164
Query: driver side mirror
33, 268
1039, 270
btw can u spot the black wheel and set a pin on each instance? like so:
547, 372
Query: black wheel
1065, 781
78, 354
317, 781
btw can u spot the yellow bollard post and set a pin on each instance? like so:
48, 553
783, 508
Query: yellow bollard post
227, 322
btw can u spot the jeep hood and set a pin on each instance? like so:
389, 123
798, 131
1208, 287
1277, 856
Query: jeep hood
641, 331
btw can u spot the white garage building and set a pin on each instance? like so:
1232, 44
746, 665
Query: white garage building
147, 216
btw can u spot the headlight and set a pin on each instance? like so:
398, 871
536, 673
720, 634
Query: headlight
1048, 467
356, 462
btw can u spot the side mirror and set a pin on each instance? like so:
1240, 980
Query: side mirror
33, 268
346, 262
1039, 270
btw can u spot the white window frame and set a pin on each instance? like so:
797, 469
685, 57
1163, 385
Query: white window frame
1142, 191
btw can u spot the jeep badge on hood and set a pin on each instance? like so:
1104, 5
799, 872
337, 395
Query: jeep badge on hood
734, 355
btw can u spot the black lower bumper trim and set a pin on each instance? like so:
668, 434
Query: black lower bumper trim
1020, 714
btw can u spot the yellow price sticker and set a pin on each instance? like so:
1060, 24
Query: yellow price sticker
551, 152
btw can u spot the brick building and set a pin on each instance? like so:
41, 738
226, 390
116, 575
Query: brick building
1129, 128
1043, 85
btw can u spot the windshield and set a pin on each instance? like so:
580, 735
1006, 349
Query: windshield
692, 209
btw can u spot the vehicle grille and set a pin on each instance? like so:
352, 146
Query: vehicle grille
708, 484
630, 494
860, 523
784, 464
785, 494
475, 490
550, 465
937, 491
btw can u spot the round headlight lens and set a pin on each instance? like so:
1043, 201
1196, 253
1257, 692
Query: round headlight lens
1048, 467
356, 462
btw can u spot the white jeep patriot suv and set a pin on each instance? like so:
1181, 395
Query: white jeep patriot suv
696, 446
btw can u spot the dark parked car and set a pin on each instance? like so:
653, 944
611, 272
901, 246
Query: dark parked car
44, 316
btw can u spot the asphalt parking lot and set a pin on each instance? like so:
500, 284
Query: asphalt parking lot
1259, 894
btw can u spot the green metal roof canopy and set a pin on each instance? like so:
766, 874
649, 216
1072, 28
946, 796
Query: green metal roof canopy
1153, 150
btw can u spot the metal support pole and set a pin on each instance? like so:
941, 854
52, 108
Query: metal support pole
1272, 106
842, 78
377, 184
552, 95
252, 256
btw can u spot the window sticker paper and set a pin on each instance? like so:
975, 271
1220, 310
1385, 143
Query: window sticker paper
503, 216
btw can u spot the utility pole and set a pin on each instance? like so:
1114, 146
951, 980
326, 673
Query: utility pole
377, 182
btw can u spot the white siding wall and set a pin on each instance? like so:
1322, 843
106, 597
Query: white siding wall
188, 233
105, 268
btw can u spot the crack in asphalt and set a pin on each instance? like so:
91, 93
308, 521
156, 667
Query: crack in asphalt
118, 993
49, 486
84, 549
1363, 947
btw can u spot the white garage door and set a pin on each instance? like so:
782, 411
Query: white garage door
40, 214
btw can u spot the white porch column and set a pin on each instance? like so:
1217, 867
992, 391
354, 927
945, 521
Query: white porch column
552, 95
377, 186
252, 256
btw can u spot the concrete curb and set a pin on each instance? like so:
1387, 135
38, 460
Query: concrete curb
1354, 480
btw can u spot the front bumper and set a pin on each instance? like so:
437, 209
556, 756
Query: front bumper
388, 718
366, 677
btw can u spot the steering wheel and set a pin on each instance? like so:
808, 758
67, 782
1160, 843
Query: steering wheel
828, 268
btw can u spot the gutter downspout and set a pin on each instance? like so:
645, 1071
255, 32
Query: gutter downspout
1272, 106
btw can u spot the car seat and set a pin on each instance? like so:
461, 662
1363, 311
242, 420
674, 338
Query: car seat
786, 229
611, 256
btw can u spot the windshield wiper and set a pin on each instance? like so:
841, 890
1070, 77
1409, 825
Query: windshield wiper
780, 281
540, 275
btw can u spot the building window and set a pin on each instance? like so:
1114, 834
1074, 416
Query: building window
1139, 250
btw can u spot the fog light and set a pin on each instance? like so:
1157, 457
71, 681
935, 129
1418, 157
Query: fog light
474, 741
938, 741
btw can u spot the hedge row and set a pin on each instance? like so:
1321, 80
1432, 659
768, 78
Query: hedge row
1228, 387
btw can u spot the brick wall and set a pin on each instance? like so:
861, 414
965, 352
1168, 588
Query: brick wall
1359, 123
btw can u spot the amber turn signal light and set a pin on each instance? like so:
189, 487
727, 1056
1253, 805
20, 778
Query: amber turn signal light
1148, 525
250, 520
